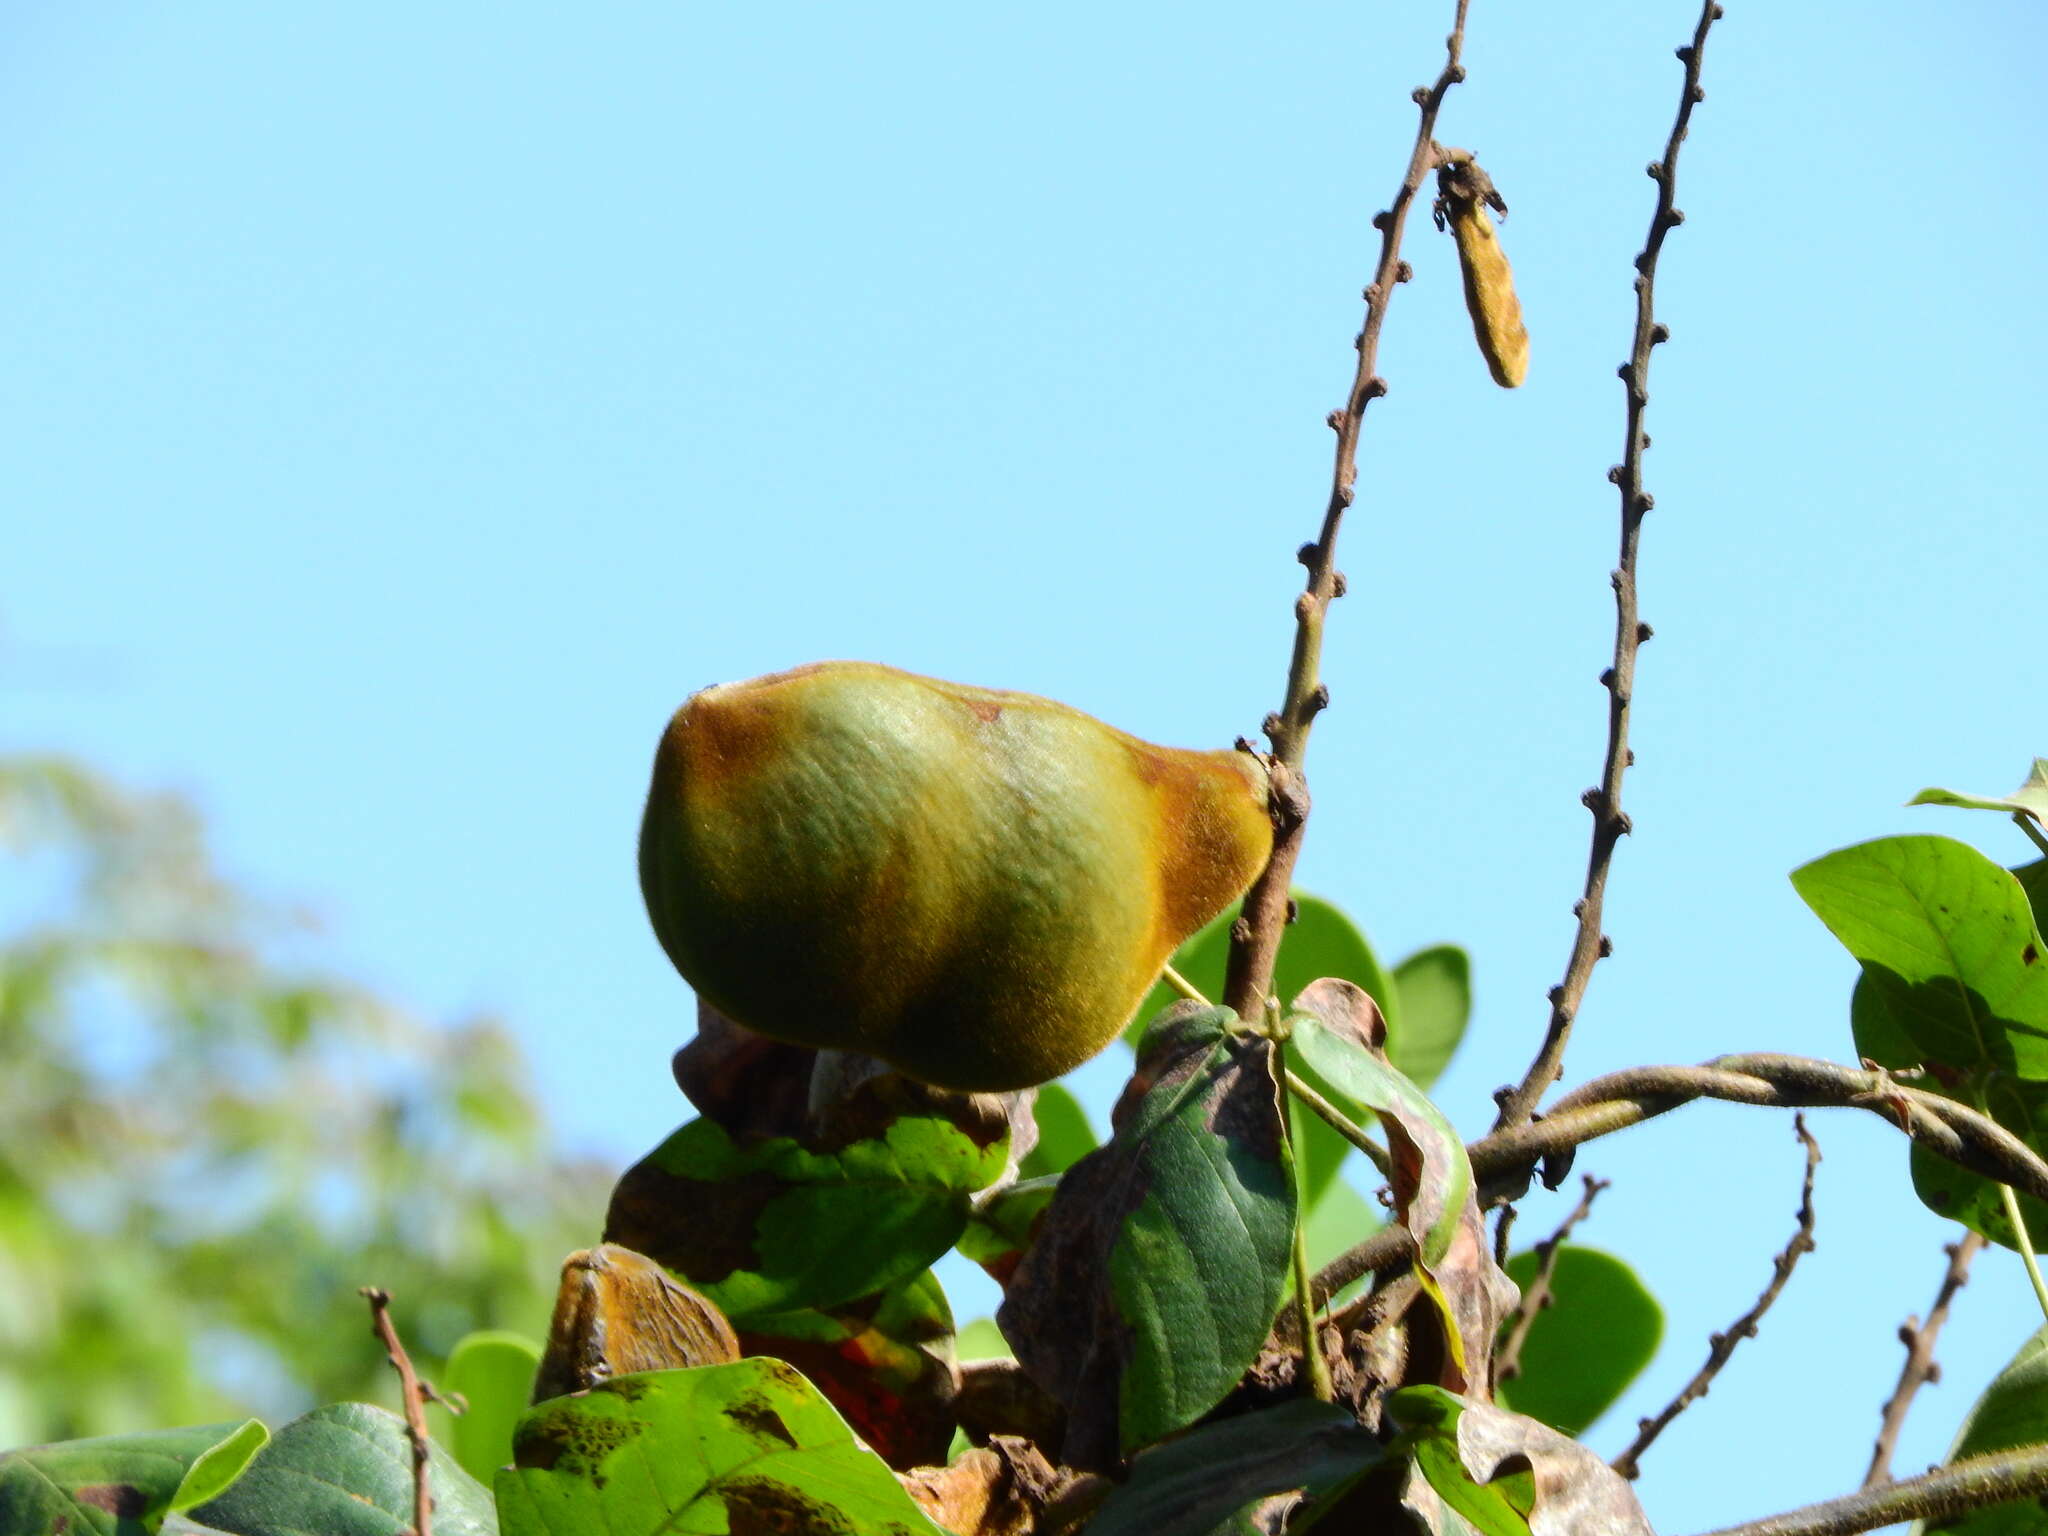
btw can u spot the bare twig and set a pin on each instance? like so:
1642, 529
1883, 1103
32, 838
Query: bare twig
414, 1394
1516, 1325
1610, 823
1921, 1368
1721, 1348
1255, 940
2003, 1477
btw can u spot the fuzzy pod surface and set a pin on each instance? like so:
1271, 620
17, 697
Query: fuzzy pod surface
976, 886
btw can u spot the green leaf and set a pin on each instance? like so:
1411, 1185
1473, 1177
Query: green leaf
1948, 942
1064, 1134
1434, 1194
1435, 988
1229, 1479
1600, 1330
1973, 1199
2030, 799
1159, 1264
1506, 1473
1000, 1228
493, 1370
1321, 941
746, 1448
885, 1362
2012, 1412
346, 1470
113, 1484
981, 1340
219, 1465
769, 1226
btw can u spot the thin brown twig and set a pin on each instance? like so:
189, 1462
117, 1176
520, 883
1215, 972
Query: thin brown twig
1255, 939
414, 1394
1721, 1347
2001, 1477
1920, 1368
1507, 1360
1610, 822
1621, 1099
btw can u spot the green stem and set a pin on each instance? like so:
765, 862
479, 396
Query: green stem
2026, 825
2019, 1230
1182, 985
1341, 1123
1315, 1369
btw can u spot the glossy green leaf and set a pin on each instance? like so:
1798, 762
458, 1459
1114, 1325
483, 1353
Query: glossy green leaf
769, 1226
1599, 1331
346, 1470
2012, 1412
1160, 1262
2030, 799
1064, 1134
1232, 1478
493, 1371
1442, 1184
1435, 989
745, 1448
1428, 1417
219, 1465
113, 1484
1948, 943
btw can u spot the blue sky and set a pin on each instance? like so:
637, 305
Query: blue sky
405, 408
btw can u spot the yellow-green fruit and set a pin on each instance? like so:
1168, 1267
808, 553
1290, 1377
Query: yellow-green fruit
976, 886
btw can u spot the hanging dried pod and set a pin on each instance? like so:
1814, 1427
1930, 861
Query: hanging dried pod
1464, 193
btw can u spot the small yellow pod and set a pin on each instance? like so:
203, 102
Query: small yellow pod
1464, 193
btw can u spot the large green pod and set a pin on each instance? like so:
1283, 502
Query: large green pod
976, 886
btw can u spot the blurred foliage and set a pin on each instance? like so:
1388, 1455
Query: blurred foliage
205, 1147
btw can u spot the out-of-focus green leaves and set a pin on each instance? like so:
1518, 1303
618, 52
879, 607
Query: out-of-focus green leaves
2030, 799
748, 1447
1950, 953
1601, 1328
205, 1149
768, 1225
346, 1470
1239, 1477
2013, 1411
492, 1371
115, 1483
1064, 1134
1434, 987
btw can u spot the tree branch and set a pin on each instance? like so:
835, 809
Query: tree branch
1610, 823
2003, 1477
1921, 1368
1622, 1099
1721, 1348
414, 1394
1255, 940
1516, 1325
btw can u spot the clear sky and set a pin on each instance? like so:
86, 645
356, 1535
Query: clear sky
404, 407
